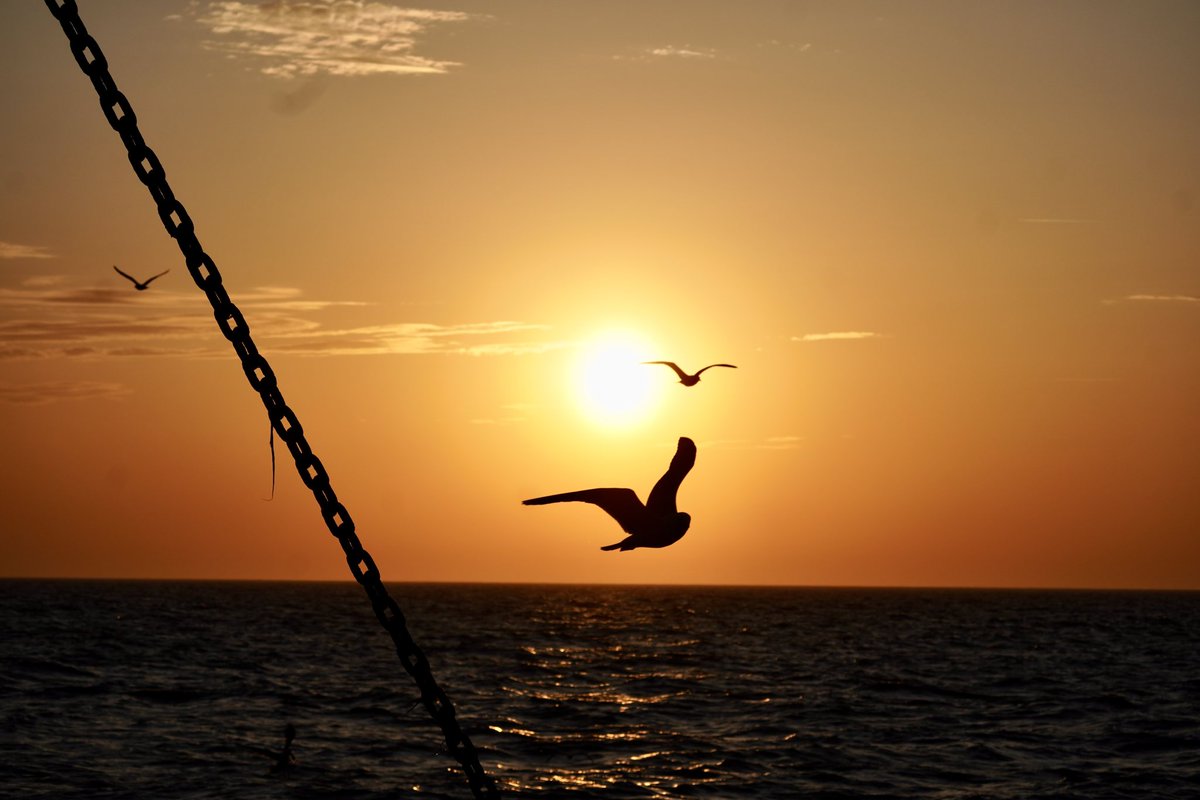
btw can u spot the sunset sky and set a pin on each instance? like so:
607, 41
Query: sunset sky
953, 249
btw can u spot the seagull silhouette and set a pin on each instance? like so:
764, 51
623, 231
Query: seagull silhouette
684, 378
141, 286
655, 524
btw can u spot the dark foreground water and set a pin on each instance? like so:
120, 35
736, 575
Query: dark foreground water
164, 690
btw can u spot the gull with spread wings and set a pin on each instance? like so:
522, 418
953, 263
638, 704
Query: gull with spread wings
141, 286
684, 378
657, 523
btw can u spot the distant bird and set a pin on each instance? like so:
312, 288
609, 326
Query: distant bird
655, 524
141, 286
684, 378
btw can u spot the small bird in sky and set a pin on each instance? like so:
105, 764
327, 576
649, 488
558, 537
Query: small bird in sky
684, 378
657, 523
141, 286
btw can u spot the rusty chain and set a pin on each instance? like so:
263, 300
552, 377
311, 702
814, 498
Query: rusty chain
232, 324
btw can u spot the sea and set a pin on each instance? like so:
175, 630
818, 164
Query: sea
146, 689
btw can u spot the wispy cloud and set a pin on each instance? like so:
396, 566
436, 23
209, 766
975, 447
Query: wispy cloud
337, 37
837, 335
416, 338
1162, 298
36, 394
12, 251
44, 320
687, 51
683, 52
43, 280
780, 443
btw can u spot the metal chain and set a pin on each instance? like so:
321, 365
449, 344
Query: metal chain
262, 379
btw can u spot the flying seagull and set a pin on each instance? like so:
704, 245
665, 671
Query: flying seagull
655, 524
684, 378
141, 286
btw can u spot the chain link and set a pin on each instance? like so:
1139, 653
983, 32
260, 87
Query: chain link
233, 327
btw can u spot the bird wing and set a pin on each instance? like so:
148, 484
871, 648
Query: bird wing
710, 366
125, 274
662, 496
672, 365
622, 505
153, 277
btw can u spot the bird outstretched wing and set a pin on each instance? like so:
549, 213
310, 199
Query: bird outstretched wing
662, 496
672, 365
710, 366
155, 277
125, 275
622, 505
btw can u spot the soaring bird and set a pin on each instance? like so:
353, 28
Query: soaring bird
684, 378
655, 524
141, 286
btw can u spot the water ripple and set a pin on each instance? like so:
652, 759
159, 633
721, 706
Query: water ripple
129, 690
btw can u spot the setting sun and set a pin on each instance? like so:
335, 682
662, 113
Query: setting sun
612, 385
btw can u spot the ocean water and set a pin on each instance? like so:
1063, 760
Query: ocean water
183, 689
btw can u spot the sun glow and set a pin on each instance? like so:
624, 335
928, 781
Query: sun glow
613, 387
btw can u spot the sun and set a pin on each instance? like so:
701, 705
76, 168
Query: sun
612, 385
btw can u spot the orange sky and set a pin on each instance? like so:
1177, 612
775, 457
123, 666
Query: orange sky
953, 249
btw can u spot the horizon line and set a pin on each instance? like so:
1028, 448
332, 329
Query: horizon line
597, 584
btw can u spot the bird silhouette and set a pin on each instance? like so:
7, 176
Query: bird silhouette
684, 378
141, 286
657, 523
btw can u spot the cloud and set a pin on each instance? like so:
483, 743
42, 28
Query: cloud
336, 37
285, 298
780, 443
416, 338
1162, 298
43, 280
55, 320
11, 251
801, 47
37, 394
687, 51
837, 335
46, 319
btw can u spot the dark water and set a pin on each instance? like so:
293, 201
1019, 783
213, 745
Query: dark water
154, 690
